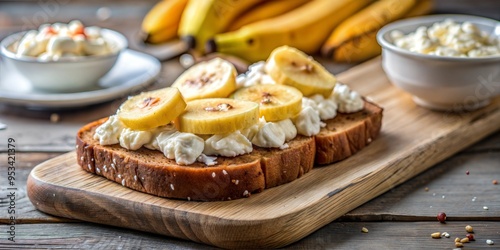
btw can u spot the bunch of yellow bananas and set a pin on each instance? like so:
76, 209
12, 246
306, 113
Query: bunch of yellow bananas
250, 29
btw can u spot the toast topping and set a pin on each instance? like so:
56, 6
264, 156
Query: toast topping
109, 132
289, 66
321, 108
152, 109
229, 145
308, 122
185, 148
276, 102
134, 139
348, 101
217, 116
229, 127
213, 79
255, 75
326, 107
271, 134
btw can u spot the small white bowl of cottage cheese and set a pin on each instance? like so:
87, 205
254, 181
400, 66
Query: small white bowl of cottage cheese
63, 57
447, 62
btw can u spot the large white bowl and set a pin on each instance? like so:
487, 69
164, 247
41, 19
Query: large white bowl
66, 74
441, 82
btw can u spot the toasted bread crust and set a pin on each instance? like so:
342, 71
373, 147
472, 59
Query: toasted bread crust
281, 166
151, 172
346, 134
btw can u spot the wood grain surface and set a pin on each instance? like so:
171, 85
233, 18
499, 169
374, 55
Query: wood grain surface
340, 236
412, 140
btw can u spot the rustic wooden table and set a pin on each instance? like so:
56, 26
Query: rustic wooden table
402, 218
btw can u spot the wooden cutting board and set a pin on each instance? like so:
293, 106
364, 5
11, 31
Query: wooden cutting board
412, 140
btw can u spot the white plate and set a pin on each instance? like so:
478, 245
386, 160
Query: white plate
132, 72
162, 52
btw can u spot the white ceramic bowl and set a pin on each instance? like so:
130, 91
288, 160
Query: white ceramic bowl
66, 74
441, 82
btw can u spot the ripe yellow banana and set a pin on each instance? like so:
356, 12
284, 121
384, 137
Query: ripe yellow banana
210, 79
264, 10
423, 7
217, 116
289, 66
276, 102
305, 28
151, 109
354, 40
202, 19
161, 23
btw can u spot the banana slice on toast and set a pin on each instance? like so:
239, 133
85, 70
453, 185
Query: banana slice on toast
151, 109
217, 116
276, 102
290, 66
212, 79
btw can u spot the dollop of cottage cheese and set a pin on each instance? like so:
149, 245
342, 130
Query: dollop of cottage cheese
326, 107
288, 128
229, 145
448, 38
109, 132
255, 75
270, 134
348, 101
185, 148
308, 122
134, 139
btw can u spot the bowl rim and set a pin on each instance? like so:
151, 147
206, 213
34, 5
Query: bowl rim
10, 39
427, 21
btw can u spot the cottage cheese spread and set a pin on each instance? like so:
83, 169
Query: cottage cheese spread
255, 75
308, 122
326, 107
449, 38
228, 145
185, 148
348, 101
270, 134
109, 132
52, 42
134, 139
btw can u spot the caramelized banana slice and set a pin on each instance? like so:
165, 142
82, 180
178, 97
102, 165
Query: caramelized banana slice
289, 66
151, 109
217, 116
277, 102
211, 79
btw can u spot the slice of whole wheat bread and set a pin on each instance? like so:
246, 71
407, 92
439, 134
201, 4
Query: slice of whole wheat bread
151, 172
346, 134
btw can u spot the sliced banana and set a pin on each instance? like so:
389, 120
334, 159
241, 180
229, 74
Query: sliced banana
289, 66
217, 116
210, 79
276, 102
151, 109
